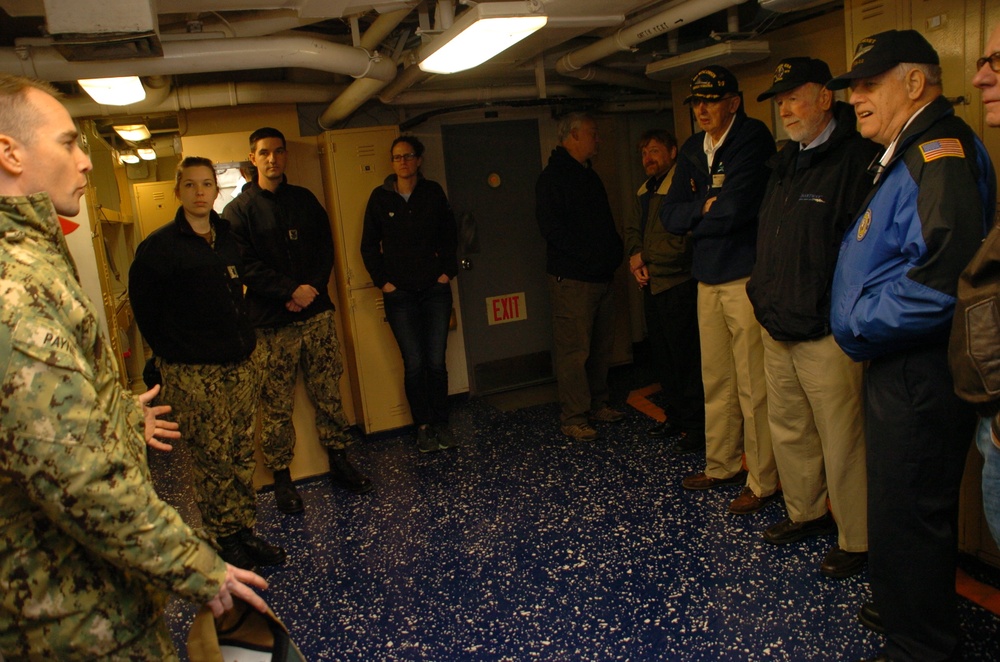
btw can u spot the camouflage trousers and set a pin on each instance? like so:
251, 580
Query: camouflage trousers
215, 407
312, 346
154, 644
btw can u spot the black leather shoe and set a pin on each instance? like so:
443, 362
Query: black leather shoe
688, 443
260, 551
286, 497
343, 474
839, 564
234, 553
786, 531
870, 618
662, 429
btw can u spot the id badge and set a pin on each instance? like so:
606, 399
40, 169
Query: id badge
718, 180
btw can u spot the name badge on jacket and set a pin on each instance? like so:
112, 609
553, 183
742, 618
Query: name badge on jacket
718, 180
293, 234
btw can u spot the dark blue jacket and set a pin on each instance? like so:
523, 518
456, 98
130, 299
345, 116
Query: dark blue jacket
725, 239
575, 218
897, 274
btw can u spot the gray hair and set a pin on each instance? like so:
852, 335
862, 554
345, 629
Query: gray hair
570, 123
931, 72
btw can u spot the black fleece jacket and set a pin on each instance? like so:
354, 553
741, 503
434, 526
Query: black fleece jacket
811, 200
409, 243
187, 295
285, 241
575, 218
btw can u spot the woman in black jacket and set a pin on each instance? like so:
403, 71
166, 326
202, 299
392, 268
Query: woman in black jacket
185, 289
408, 246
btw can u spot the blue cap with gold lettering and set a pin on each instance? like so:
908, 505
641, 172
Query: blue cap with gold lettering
883, 51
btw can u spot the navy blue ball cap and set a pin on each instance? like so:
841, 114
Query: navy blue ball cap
712, 84
794, 72
883, 51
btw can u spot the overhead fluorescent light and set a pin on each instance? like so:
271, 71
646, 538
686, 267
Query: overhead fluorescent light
127, 156
114, 91
480, 33
726, 54
147, 153
133, 132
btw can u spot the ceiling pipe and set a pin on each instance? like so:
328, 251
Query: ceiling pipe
205, 55
628, 37
215, 95
406, 79
363, 89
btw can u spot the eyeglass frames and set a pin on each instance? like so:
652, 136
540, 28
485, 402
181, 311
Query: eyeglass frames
993, 60
409, 156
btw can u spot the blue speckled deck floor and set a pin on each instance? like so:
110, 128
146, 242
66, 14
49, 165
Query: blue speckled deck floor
523, 545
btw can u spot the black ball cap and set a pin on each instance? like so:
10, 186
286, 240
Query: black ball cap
793, 72
712, 84
883, 51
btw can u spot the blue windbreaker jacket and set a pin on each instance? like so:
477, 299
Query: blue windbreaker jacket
897, 273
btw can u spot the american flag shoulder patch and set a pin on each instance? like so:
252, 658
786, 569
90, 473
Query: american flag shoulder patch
937, 149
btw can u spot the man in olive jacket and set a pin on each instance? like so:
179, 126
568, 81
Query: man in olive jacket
660, 262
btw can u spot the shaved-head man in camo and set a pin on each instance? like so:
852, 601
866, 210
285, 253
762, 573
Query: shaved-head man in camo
88, 552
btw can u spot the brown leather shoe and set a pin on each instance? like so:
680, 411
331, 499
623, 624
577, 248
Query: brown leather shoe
839, 564
748, 502
701, 481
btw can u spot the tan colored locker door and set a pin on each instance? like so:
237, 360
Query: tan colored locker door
155, 205
358, 161
378, 367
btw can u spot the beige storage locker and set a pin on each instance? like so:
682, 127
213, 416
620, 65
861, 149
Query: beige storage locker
355, 161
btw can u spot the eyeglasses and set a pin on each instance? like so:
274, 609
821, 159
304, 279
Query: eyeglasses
409, 156
993, 60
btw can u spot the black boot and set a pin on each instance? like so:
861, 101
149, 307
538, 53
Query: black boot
343, 474
234, 553
260, 551
285, 495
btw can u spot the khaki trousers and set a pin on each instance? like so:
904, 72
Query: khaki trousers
583, 328
815, 410
732, 370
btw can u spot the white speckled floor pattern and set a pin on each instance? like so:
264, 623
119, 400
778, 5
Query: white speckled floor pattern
522, 545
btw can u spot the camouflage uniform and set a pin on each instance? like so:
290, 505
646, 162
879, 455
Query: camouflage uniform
215, 405
311, 344
88, 552
285, 242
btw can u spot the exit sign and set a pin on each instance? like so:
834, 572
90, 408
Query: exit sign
506, 308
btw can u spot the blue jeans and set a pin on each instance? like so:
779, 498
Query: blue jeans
419, 320
991, 477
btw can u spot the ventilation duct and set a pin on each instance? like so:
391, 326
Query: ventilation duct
122, 29
727, 54
782, 6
